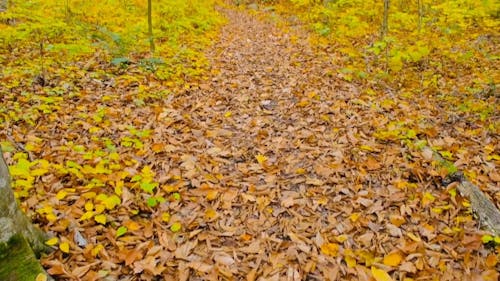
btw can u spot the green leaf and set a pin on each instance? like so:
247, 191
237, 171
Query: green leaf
152, 202
121, 231
111, 202
148, 186
176, 196
136, 178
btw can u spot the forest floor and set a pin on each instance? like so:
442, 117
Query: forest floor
273, 168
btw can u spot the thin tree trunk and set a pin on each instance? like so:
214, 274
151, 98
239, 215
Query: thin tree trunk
19, 239
150, 29
420, 14
385, 23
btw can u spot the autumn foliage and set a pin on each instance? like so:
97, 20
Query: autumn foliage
279, 139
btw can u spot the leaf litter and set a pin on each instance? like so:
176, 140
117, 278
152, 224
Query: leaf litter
269, 169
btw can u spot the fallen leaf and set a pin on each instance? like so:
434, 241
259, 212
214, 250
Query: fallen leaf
380, 275
393, 259
330, 249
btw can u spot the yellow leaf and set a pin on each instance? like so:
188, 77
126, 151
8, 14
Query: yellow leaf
176, 226
89, 195
132, 225
330, 249
210, 214
227, 114
99, 208
52, 241
261, 158
303, 103
87, 215
165, 217
300, 171
349, 258
367, 257
64, 246
51, 217
89, 206
41, 277
111, 202
100, 218
96, 249
312, 95
397, 220
393, 259
45, 210
38, 172
350, 261
341, 238
212, 194
427, 198
119, 187
354, 217
414, 237
380, 275
367, 148
170, 188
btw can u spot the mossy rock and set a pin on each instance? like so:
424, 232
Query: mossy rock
18, 262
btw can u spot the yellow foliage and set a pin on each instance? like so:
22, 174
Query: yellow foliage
79, 30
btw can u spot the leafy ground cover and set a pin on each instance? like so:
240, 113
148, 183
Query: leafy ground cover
269, 163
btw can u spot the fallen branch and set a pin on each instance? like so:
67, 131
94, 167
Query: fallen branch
482, 207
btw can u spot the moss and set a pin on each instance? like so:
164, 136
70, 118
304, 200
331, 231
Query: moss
17, 260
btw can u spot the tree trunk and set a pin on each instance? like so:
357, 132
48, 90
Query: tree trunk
20, 240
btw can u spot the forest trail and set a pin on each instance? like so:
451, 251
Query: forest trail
276, 131
289, 177
282, 185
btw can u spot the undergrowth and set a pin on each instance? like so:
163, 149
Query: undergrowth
51, 37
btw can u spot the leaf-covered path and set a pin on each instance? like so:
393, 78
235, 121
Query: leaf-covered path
263, 126
273, 168
285, 179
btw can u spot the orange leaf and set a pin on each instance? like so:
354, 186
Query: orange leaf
491, 260
372, 164
330, 249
